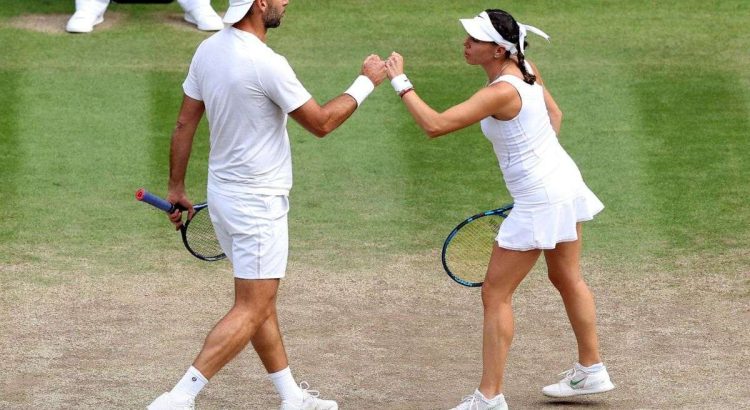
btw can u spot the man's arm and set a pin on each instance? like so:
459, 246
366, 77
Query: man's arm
321, 120
190, 116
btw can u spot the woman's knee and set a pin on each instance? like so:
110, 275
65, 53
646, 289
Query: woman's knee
493, 297
565, 281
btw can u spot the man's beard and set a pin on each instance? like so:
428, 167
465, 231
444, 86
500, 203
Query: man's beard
273, 18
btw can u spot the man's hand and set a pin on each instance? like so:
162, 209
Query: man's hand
180, 200
374, 69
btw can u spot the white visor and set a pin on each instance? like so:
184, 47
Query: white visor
481, 28
237, 10
474, 28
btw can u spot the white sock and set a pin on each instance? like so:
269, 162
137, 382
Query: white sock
286, 386
495, 400
191, 383
591, 369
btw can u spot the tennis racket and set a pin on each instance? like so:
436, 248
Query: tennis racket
467, 249
198, 234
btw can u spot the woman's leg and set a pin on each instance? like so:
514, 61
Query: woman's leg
563, 267
505, 272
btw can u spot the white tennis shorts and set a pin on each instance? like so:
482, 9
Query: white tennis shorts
253, 233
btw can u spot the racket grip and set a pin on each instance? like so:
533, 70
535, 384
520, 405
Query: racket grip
155, 201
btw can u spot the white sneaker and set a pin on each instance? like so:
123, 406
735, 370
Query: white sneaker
205, 18
310, 401
168, 401
577, 381
83, 21
477, 402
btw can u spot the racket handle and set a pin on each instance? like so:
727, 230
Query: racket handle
153, 200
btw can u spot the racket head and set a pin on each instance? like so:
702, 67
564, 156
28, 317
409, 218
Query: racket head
467, 249
199, 237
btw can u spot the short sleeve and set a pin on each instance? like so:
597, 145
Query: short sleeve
191, 86
281, 85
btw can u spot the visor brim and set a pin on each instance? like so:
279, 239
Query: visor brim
473, 29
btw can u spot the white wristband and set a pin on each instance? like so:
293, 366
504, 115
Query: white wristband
360, 89
400, 83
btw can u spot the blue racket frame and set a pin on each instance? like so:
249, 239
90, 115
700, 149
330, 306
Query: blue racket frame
502, 211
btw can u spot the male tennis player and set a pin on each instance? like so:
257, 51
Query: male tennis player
246, 91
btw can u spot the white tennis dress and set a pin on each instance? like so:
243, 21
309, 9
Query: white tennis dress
548, 191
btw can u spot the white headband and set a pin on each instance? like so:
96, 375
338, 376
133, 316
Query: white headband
485, 24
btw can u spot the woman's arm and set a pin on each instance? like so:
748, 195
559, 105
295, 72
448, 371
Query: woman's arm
488, 101
482, 104
555, 114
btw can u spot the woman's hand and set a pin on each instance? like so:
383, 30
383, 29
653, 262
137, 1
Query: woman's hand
394, 65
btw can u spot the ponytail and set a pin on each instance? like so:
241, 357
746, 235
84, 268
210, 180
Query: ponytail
527, 76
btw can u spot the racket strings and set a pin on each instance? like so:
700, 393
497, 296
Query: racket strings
200, 236
469, 251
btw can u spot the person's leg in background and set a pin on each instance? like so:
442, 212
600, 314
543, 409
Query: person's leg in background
88, 14
200, 13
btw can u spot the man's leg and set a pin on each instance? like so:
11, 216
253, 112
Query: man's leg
268, 344
254, 304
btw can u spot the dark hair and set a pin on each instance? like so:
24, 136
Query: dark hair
507, 26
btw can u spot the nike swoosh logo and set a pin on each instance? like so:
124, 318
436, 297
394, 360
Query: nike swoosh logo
574, 384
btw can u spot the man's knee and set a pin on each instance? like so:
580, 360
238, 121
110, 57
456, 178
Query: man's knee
256, 297
253, 315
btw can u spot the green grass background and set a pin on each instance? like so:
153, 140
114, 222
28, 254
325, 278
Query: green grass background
655, 98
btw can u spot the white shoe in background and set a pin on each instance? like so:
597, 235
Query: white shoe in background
83, 21
205, 18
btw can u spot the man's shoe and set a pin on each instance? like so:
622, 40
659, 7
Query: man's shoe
477, 402
168, 401
577, 381
205, 18
310, 401
83, 21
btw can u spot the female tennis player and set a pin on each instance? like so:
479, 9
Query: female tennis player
521, 119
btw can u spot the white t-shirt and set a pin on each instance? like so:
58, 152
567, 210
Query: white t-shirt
248, 90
